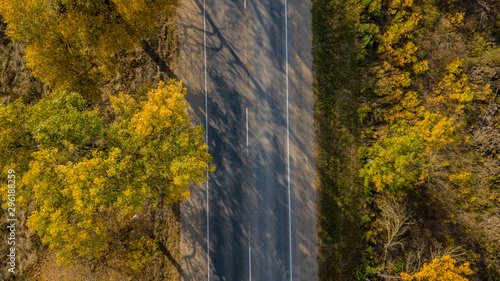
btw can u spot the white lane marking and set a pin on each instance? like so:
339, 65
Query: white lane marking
249, 254
206, 131
250, 262
245, 4
247, 124
288, 143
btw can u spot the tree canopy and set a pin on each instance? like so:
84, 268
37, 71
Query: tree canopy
412, 87
442, 269
87, 174
69, 43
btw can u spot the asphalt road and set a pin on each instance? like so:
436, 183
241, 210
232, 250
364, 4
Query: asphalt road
247, 68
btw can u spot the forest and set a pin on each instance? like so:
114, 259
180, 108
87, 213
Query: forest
95, 140
407, 131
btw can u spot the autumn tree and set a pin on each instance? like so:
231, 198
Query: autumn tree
454, 92
69, 43
397, 161
442, 269
88, 176
413, 129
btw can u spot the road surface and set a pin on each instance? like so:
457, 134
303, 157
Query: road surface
247, 66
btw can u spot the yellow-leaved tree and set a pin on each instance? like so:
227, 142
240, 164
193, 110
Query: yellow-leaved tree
397, 161
88, 177
69, 43
442, 269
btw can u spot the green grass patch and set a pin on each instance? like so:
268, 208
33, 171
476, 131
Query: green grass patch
338, 82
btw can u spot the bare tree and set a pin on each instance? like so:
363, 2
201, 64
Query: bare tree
455, 252
414, 259
396, 220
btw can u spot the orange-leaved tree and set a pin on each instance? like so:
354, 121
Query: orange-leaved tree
442, 269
